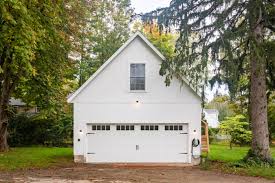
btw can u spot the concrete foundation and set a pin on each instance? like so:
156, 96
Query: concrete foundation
79, 159
196, 161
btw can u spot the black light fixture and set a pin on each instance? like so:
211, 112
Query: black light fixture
137, 101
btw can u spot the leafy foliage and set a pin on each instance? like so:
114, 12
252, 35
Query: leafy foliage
34, 47
252, 159
106, 30
212, 132
37, 41
25, 130
238, 129
216, 34
271, 116
225, 107
164, 42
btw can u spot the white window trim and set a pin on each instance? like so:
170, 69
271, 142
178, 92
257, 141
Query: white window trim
129, 80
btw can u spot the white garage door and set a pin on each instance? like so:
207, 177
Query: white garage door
122, 143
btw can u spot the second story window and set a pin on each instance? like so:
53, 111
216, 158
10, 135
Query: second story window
137, 77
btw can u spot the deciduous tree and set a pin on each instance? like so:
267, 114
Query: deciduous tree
109, 27
36, 38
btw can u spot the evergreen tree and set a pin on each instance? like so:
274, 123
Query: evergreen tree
231, 36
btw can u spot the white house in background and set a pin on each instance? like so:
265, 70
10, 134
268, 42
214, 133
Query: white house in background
212, 117
22, 107
124, 113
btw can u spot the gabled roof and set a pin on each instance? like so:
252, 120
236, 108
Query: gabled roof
211, 111
16, 102
137, 34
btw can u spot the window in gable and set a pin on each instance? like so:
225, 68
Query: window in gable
137, 77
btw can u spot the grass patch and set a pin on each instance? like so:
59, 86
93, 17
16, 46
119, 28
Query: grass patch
35, 157
223, 158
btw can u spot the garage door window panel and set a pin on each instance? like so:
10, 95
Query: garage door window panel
108, 127
149, 127
100, 127
132, 127
125, 127
173, 128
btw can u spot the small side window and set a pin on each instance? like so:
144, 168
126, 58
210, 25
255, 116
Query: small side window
132, 127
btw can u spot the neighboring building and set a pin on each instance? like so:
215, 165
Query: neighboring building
212, 117
124, 113
22, 107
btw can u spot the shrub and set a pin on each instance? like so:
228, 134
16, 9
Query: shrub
25, 130
212, 132
271, 117
238, 129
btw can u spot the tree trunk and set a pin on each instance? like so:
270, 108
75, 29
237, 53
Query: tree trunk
4, 102
7, 85
3, 135
258, 98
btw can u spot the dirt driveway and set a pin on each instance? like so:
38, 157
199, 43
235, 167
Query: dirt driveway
119, 174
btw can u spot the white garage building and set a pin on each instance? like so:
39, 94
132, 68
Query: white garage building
124, 113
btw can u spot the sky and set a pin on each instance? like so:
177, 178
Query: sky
144, 6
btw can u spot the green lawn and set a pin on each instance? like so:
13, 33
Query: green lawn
225, 154
35, 157
44, 157
222, 153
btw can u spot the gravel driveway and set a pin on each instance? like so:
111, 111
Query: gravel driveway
119, 174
